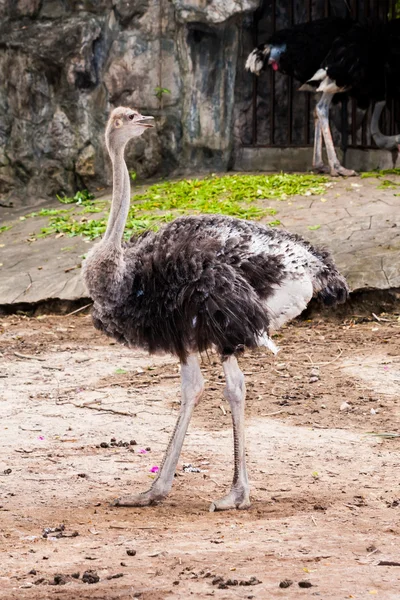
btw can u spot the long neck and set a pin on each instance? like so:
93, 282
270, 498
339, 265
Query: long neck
120, 198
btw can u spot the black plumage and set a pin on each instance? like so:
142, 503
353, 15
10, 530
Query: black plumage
197, 283
365, 62
299, 50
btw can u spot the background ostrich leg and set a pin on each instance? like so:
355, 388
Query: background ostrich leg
235, 393
323, 115
317, 162
192, 385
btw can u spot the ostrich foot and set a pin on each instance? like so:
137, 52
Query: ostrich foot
320, 168
142, 499
235, 499
341, 171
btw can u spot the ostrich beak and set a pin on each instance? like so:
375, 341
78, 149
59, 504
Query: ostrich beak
145, 121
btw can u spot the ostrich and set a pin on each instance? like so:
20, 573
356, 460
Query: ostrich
199, 282
299, 51
364, 62
387, 142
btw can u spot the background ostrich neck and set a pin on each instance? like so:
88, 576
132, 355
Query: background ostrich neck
120, 198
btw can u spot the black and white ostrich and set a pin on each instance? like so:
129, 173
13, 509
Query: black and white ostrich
200, 282
364, 62
298, 51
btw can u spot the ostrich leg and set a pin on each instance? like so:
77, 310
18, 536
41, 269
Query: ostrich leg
317, 163
192, 389
323, 116
235, 393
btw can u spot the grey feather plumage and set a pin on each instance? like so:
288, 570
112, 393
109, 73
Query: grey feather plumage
206, 281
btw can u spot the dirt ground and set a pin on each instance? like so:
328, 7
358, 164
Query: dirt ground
325, 492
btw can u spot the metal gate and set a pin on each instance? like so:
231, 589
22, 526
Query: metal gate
280, 116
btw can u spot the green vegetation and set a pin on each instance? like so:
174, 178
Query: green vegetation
380, 173
83, 197
5, 228
388, 185
234, 195
160, 91
48, 212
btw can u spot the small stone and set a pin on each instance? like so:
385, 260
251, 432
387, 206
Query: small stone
104, 445
90, 577
60, 579
323, 405
32, 572
313, 379
133, 443
75, 575
373, 411
7, 471
131, 552
286, 583
305, 584
345, 406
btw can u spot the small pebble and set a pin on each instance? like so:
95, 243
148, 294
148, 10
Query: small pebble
345, 406
131, 552
90, 577
286, 583
104, 445
373, 411
305, 584
60, 579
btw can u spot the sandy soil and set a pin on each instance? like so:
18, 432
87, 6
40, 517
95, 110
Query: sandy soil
326, 497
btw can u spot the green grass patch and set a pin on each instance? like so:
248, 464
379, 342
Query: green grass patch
233, 195
380, 173
81, 197
5, 228
48, 212
387, 184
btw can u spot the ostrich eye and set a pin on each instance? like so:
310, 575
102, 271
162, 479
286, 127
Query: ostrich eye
131, 117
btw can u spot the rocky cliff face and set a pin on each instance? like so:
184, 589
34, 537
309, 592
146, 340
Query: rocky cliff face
65, 63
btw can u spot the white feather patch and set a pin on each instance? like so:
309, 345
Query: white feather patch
265, 340
253, 63
329, 85
319, 75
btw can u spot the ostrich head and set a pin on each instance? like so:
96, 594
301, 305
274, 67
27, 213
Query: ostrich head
265, 54
124, 124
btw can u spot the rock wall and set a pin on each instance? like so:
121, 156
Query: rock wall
64, 64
